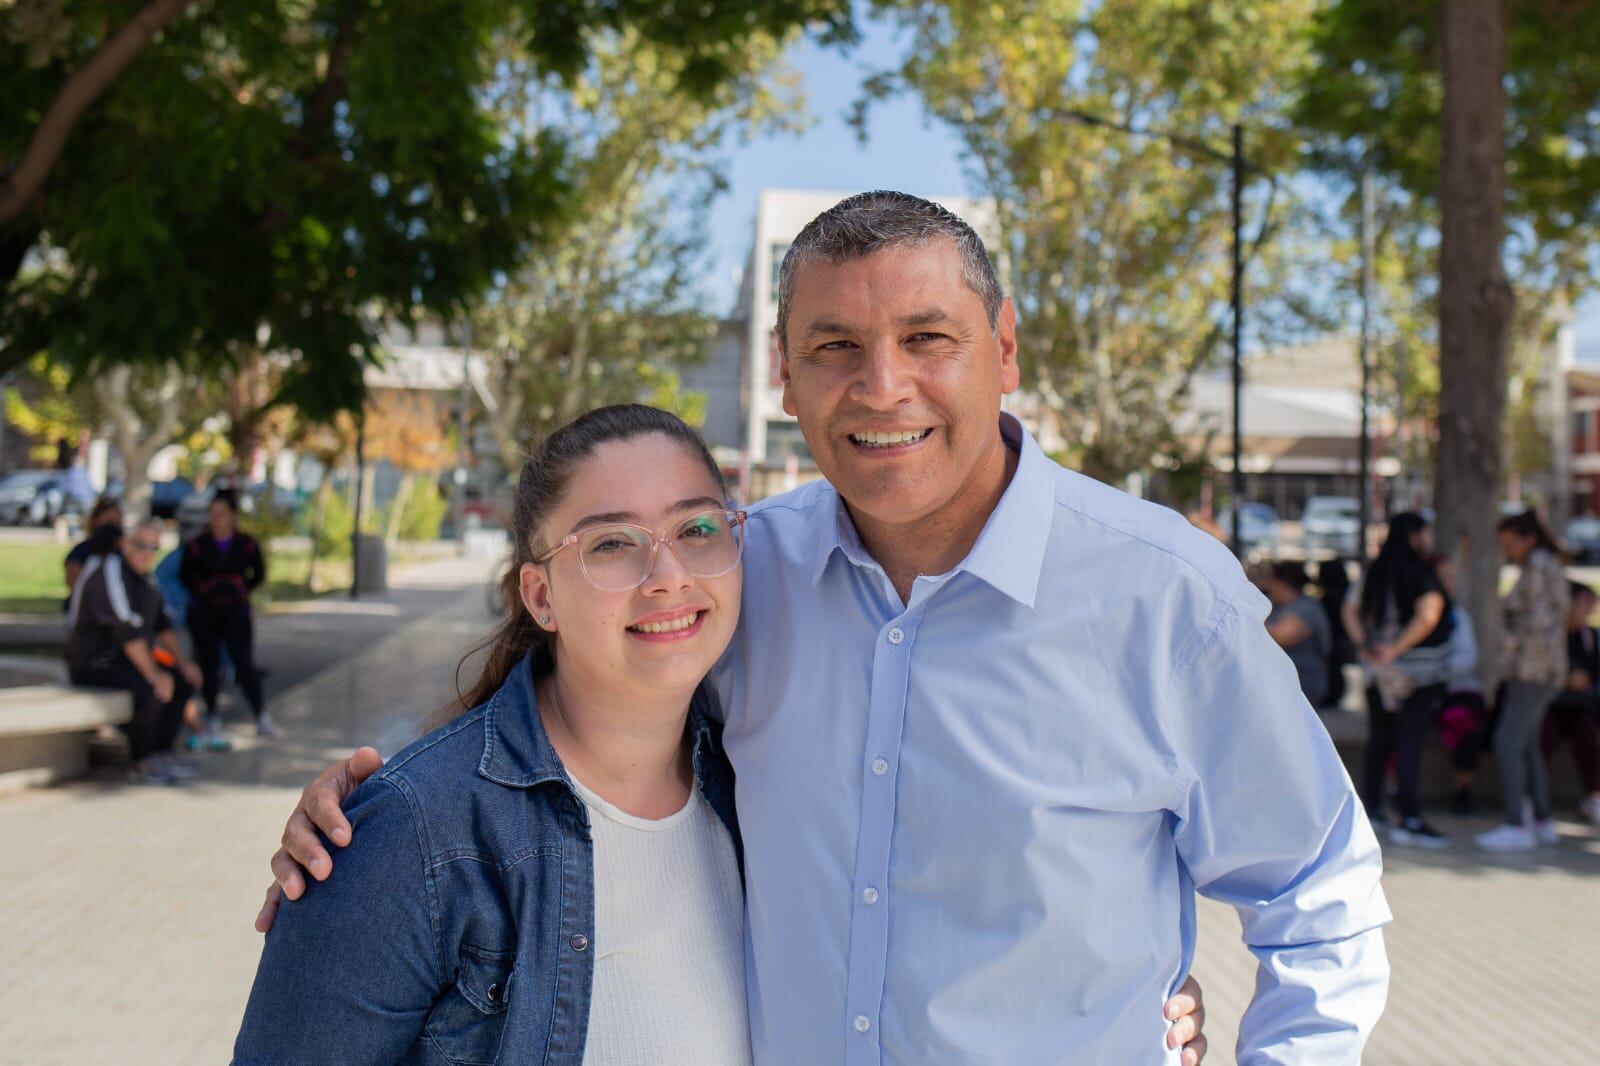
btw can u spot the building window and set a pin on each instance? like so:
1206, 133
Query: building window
1580, 431
779, 248
783, 440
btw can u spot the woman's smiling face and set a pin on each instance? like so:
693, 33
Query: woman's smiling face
668, 631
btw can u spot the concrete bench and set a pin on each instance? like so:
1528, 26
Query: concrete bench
45, 731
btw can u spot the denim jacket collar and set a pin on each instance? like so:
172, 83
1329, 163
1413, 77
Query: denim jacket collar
517, 752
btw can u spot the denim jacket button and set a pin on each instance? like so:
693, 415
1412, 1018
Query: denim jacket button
579, 942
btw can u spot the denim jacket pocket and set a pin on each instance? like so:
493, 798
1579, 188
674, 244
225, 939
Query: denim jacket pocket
467, 1024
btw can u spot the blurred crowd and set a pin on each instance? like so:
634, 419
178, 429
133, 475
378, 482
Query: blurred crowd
1418, 657
173, 634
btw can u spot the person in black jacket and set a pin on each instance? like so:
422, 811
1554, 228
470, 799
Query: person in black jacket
221, 567
1574, 712
120, 637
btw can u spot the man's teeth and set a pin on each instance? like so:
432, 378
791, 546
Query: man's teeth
889, 440
668, 627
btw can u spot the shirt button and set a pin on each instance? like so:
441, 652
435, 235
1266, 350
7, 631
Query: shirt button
579, 942
880, 766
896, 635
870, 895
863, 1023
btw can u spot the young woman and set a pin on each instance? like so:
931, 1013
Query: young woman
221, 567
1534, 660
554, 874
1400, 619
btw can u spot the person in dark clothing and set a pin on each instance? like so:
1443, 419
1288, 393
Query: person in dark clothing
120, 631
1573, 714
221, 567
1399, 616
1334, 583
105, 512
1299, 625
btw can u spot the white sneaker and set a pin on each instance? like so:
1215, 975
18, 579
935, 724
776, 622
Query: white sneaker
1507, 838
264, 726
1545, 832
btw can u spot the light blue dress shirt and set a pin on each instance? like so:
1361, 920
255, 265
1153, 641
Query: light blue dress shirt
975, 822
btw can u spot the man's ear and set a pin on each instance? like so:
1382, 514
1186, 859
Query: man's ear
1006, 335
783, 375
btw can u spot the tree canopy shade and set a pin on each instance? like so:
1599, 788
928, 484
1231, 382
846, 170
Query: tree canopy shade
184, 180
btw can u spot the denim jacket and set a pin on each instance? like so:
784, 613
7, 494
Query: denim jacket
458, 926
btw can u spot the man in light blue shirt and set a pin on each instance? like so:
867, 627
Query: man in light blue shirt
995, 723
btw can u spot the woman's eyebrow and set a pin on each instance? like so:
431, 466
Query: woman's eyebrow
607, 518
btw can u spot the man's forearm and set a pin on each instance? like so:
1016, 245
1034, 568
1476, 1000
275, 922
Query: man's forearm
1315, 1002
138, 653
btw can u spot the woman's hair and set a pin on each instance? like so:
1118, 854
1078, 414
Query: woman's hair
1529, 526
541, 487
1333, 579
1291, 573
103, 541
1397, 554
102, 505
228, 497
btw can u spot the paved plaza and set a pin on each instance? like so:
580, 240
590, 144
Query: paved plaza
125, 913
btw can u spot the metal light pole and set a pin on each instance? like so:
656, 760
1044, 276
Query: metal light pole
361, 485
1236, 165
1364, 511
1234, 157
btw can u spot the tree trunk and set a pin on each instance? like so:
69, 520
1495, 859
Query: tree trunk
137, 439
1475, 306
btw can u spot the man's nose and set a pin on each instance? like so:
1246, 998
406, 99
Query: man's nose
887, 378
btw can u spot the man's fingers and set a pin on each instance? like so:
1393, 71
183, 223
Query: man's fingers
363, 763
1195, 1052
269, 908
1183, 1030
287, 875
301, 843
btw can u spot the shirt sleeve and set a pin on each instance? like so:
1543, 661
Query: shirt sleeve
106, 604
350, 971
255, 565
1270, 824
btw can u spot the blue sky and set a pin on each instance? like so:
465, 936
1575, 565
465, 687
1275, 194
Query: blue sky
905, 150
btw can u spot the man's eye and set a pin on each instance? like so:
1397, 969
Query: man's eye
917, 338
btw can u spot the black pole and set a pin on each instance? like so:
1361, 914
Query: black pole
1237, 161
361, 484
1364, 511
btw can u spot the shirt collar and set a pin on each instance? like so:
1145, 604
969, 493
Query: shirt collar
1009, 553
517, 752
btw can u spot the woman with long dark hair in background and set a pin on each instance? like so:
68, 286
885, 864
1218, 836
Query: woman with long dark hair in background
1534, 662
221, 566
1399, 618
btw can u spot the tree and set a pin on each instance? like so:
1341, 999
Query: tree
198, 176
1114, 247
609, 306
1427, 89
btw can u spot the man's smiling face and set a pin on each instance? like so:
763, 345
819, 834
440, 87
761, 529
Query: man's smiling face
895, 375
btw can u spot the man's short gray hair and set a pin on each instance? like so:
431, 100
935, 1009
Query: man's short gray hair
870, 222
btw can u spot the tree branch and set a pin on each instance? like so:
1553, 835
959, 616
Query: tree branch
86, 85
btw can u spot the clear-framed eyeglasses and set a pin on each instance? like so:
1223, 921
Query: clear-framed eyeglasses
616, 558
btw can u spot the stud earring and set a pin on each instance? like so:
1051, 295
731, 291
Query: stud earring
544, 619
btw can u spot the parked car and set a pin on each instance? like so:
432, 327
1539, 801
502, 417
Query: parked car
1583, 539
1331, 525
1259, 530
167, 496
37, 497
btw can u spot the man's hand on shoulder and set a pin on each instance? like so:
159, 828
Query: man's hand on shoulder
319, 809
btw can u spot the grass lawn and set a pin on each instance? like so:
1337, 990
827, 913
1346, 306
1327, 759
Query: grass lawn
286, 575
31, 578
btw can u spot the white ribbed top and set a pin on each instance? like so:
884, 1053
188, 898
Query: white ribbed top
668, 940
